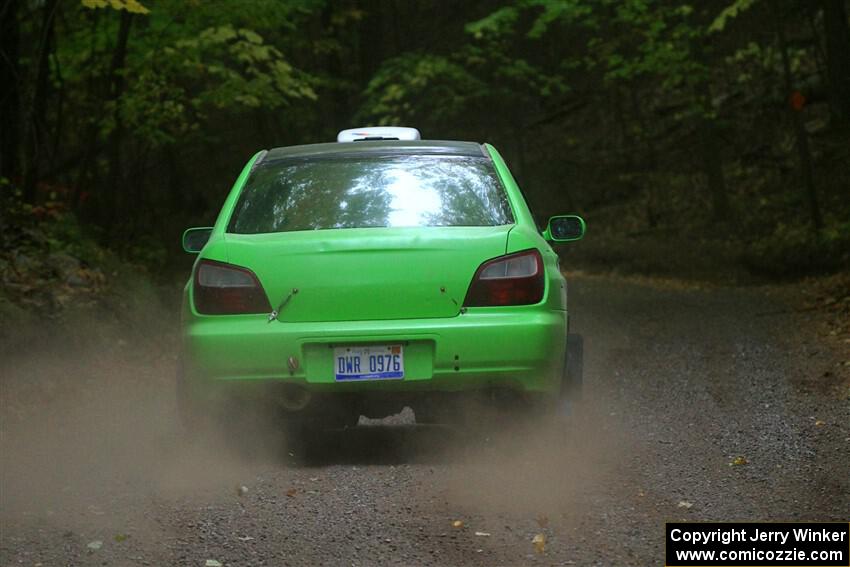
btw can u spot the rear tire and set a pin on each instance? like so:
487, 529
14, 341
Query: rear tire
572, 383
248, 430
429, 413
193, 421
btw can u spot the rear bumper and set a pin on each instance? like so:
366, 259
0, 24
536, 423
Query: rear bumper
520, 348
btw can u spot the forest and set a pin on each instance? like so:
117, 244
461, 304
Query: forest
704, 317
701, 139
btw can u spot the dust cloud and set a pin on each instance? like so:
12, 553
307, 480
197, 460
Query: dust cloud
90, 439
539, 467
88, 427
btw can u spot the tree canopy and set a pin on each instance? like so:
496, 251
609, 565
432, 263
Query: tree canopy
648, 116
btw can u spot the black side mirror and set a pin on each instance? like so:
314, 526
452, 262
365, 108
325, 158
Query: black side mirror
564, 228
194, 239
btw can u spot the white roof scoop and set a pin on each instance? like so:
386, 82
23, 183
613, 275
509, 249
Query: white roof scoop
378, 133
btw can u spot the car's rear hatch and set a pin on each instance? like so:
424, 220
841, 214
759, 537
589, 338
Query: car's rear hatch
369, 273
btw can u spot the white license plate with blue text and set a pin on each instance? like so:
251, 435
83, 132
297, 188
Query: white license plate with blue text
375, 362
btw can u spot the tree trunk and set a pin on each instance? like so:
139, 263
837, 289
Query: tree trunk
625, 140
35, 118
91, 142
707, 130
805, 155
651, 160
837, 57
10, 101
340, 101
521, 157
712, 157
110, 195
713, 163
371, 40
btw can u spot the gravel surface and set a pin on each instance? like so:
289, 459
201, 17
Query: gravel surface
700, 405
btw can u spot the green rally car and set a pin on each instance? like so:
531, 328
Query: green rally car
382, 271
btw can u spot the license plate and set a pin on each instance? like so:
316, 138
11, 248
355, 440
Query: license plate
376, 362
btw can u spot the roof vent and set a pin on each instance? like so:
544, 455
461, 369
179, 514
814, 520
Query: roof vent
378, 133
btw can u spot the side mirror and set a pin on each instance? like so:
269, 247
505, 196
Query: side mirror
194, 239
564, 228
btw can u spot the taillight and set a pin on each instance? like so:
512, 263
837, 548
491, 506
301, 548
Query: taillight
224, 289
515, 279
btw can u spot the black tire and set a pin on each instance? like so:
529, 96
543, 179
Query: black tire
572, 383
430, 414
306, 440
233, 424
189, 415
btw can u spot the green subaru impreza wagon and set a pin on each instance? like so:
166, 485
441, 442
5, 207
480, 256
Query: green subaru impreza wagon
382, 271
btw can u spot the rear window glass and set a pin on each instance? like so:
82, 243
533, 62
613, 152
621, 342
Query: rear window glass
364, 192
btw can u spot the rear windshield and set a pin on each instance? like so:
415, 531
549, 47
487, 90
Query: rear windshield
364, 192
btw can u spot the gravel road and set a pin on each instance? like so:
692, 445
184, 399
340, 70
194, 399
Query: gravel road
713, 404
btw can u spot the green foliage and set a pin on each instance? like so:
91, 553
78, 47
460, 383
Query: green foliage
39, 230
176, 77
132, 6
627, 41
222, 68
594, 104
570, 11
416, 86
478, 83
795, 249
503, 21
66, 235
500, 22
478, 87
730, 12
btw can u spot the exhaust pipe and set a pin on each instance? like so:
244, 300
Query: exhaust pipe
295, 398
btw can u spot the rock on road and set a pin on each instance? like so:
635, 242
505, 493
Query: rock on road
699, 405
